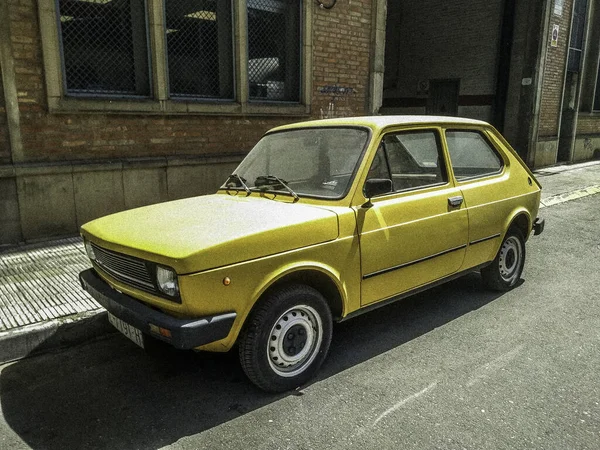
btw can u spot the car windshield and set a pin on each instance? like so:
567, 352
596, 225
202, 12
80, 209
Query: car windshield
314, 162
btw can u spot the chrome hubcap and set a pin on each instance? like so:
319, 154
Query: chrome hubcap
510, 259
295, 340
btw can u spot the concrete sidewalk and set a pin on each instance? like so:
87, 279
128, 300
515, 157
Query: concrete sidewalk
43, 307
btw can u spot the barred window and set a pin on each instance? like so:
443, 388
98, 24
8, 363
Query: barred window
577, 32
105, 48
200, 48
274, 49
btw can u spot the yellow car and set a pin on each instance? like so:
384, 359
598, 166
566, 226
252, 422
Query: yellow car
322, 221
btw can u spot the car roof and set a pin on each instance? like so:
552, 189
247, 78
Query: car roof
378, 122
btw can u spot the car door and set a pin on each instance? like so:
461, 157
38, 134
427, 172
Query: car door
417, 233
482, 175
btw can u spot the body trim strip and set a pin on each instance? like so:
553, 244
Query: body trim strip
372, 306
400, 266
485, 239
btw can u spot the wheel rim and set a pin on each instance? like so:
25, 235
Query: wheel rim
511, 255
295, 340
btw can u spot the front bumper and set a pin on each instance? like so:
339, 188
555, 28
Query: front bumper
185, 333
538, 226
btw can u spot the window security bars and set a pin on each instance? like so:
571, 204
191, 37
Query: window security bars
274, 49
200, 48
105, 48
577, 31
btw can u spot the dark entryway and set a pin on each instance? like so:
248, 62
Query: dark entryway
448, 58
443, 97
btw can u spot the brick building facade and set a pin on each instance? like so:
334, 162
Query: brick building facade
68, 156
107, 105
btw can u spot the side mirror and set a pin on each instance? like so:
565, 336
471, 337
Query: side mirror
377, 186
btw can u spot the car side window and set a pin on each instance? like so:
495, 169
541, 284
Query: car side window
379, 166
471, 154
415, 159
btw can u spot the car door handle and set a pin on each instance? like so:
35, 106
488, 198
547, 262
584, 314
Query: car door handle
455, 201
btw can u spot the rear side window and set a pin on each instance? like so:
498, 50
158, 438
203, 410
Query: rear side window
472, 156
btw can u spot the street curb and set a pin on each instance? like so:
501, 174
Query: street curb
52, 335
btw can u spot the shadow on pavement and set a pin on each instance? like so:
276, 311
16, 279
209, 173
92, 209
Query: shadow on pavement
110, 394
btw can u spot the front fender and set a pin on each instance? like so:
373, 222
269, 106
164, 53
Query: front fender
299, 267
207, 293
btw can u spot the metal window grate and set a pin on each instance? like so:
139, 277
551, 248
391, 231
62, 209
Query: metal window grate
200, 48
577, 32
274, 49
104, 44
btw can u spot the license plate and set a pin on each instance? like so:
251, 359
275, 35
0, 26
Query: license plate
132, 333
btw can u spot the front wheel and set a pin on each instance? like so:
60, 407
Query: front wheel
505, 270
286, 339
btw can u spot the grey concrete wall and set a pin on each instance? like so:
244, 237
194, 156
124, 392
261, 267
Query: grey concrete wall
586, 147
42, 202
545, 153
10, 223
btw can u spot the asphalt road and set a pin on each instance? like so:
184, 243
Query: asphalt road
453, 368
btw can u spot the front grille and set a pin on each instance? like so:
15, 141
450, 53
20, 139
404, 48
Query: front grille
127, 269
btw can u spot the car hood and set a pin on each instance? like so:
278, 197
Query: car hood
211, 231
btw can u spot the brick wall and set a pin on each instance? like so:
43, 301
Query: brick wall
43, 199
341, 50
341, 38
554, 73
588, 124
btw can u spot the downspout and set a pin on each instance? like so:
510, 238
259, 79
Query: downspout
7, 66
377, 63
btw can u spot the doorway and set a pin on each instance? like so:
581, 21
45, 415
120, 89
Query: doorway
443, 97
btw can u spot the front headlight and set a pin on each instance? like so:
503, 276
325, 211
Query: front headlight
89, 250
166, 279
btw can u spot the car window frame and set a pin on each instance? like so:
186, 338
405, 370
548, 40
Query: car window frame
443, 159
485, 136
353, 174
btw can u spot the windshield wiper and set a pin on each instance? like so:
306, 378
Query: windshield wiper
270, 180
235, 176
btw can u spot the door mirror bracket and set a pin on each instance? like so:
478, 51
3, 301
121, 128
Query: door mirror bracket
374, 187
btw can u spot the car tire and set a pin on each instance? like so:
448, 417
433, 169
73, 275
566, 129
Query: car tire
505, 270
286, 338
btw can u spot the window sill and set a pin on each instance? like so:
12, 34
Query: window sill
69, 105
593, 114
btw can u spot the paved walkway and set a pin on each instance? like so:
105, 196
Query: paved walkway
39, 282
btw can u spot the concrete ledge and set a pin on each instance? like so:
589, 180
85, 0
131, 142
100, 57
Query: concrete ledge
53, 199
47, 336
7, 172
81, 166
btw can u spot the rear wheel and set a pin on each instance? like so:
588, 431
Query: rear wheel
286, 339
505, 270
